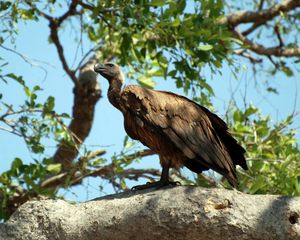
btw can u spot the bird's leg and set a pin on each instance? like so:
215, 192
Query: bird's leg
164, 181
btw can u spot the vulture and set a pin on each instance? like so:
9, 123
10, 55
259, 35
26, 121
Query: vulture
180, 131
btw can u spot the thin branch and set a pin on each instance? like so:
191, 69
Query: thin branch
54, 36
71, 11
261, 4
272, 51
12, 131
139, 154
252, 28
31, 62
104, 172
276, 65
135, 174
243, 53
95, 154
86, 5
85, 56
265, 160
276, 29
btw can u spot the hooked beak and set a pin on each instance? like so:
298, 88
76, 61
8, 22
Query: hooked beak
98, 68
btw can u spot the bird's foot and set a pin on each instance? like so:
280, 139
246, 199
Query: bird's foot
156, 185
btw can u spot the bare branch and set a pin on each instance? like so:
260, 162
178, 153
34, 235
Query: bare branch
276, 29
252, 28
259, 17
142, 153
243, 53
272, 51
95, 154
31, 62
54, 36
135, 174
71, 11
261, 4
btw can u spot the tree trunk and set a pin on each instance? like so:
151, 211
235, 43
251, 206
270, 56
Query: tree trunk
181, 212
87, 92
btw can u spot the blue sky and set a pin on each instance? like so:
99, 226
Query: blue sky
108, 131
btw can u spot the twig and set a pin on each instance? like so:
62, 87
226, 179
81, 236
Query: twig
272, 51
31, 62
265, 159
11, 131
243, 53
276, 29
261, 4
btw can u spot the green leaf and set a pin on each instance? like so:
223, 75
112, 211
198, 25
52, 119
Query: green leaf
297, 184
16, 164
231, 39
37, 147
272, 90
157, 3
257, 184
27, 14
238, 116
146, 82
54, 168
97, 162
250, 110
125, 141
205, 48
4, 5
19, 79
27, 91
288, 72
49, 104
175, 23
37, 88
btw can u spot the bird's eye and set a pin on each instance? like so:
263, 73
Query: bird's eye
110, 64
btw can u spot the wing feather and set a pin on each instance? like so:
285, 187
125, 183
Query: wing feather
199, 133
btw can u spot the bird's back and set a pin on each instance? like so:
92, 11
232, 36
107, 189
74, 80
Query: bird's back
193, 136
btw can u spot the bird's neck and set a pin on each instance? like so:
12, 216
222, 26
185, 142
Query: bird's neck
114, 93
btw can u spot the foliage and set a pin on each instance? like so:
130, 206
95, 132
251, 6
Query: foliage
171, 40
272, 153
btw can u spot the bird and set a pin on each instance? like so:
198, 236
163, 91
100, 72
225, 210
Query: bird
180, 131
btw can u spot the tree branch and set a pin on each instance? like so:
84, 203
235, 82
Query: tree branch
71, 11
259, 17
54, 36
243, 53
272, 51
180, 212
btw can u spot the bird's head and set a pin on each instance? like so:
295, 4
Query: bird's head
110, 71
